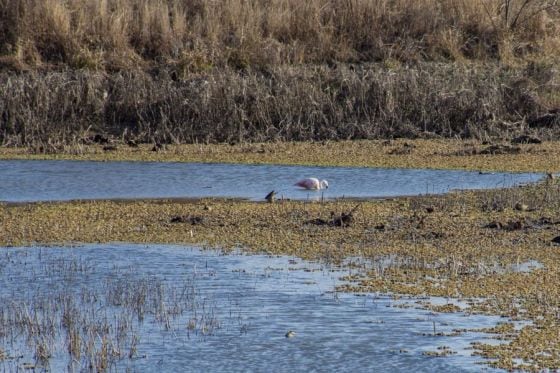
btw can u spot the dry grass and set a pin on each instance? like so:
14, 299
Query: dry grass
260, 70
197, 34
47, 110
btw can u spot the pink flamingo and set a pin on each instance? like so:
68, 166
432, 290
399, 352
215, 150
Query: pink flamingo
312, 183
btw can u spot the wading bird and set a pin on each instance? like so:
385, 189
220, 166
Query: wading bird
270, 196
312, 183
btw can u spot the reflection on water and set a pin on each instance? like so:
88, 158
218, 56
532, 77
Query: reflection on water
171, 308
63, 180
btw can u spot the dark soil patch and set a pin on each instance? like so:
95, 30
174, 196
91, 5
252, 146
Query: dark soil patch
191, 219
548, 120
343, 220
514, 225
500, 149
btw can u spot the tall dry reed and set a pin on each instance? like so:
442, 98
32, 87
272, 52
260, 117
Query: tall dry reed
49, 109
251, 70
198, 34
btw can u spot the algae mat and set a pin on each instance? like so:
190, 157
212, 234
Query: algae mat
462, 245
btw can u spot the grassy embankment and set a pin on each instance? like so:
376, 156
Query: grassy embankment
235, 71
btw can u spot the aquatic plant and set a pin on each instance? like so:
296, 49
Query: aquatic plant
97, 327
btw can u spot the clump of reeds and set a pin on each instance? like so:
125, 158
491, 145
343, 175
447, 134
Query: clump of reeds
201, 71
48, 111
97, 327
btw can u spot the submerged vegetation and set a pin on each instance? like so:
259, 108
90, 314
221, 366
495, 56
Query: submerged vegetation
98, 316
191, 71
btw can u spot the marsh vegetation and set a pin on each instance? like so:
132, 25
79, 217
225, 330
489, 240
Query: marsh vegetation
474, 82
196, 35
196, 71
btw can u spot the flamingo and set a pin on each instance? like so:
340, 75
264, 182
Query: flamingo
313, 183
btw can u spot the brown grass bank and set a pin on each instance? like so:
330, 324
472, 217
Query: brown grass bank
197, 35
176, 71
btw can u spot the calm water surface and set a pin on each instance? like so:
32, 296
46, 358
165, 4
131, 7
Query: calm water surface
250, 301
64, 180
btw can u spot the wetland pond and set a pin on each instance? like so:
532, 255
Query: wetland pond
27, 180
163, 308
127, 307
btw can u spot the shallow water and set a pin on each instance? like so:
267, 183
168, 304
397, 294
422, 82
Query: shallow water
65, 180
242, 307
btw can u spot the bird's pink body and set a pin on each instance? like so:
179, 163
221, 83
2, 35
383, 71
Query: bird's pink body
313, 183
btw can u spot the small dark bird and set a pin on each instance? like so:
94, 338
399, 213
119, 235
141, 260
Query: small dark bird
270, 197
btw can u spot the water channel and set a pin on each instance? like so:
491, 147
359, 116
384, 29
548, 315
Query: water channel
24, 180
